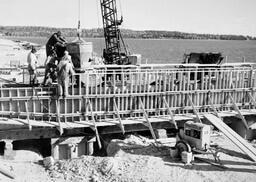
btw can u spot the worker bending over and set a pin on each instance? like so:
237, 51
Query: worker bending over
55, 41
64, 70
50, 75
32, 64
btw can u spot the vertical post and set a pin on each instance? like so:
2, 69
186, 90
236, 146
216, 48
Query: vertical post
26, 107
8, 151
58, 116
55, 148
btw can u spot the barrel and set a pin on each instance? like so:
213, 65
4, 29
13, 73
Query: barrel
80, 52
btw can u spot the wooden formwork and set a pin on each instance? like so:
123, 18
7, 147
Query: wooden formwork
129, 92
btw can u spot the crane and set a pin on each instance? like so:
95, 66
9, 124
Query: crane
115, 51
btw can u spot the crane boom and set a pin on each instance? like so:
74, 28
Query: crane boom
115, 51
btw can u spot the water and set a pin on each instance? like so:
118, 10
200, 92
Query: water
172, 50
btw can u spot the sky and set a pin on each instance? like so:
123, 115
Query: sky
195, 16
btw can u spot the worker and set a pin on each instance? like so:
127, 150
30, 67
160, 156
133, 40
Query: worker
64, 70
50, 64
55, 41
32, 64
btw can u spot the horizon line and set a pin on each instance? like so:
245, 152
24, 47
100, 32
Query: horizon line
253, 36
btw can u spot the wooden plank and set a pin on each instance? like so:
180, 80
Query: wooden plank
44, 92
32, 122
233, 136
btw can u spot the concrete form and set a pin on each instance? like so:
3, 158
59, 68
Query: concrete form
121, 99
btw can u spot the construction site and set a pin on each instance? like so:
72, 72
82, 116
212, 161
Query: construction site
127, 121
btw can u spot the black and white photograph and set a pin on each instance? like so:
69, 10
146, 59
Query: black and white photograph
127, 91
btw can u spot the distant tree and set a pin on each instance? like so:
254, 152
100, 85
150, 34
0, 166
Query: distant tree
127, 33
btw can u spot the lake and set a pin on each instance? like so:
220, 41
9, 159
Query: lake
172, 50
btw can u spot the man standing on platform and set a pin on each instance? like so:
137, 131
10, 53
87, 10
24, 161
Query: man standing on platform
64, 69
32, 64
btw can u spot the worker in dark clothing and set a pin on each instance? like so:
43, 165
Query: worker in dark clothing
50, 69
56, 40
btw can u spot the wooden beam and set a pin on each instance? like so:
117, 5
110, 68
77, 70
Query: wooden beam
238, 111
94, 123
194, 109
118, 116
213, 107
148, 124
170, 113
251, 98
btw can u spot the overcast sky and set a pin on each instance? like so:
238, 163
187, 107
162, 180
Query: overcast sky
198, 16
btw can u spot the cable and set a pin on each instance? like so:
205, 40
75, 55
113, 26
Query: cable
79, 16
97, 7
120, 7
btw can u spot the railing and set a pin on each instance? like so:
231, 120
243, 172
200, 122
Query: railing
130, 91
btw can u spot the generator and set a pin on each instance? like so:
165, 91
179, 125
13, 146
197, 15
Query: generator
197, 135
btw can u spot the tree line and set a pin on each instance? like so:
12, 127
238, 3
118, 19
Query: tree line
34, 31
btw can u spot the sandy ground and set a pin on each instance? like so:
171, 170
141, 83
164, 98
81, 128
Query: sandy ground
136, 159
12, 51
13, 54
132, 160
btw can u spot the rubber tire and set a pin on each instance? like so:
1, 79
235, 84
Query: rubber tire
183, 146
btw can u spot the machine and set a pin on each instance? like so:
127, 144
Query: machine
197, 135
115, 51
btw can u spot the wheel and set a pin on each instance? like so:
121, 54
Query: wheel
182, 146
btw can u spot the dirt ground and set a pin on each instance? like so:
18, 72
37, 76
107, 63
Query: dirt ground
136, 159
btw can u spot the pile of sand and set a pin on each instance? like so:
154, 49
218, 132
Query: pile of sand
136, 159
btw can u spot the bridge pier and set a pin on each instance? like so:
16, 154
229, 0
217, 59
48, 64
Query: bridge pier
161, 133
9, 153
71, 147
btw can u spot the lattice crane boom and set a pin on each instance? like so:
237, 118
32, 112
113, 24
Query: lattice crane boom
115, 51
